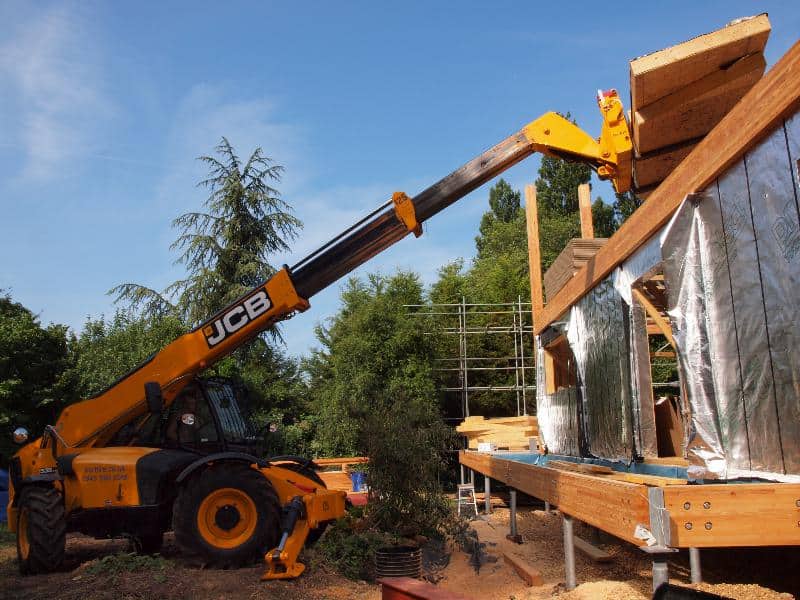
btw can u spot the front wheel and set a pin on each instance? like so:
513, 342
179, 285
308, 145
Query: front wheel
41, 530
229, 515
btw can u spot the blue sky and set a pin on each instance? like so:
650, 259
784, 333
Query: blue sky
104, 108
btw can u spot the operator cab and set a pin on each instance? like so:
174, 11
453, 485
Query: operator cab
208, 416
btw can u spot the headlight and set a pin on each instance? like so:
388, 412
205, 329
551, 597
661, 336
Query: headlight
21, 435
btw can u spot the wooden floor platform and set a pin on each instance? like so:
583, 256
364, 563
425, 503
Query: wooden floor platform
678, 516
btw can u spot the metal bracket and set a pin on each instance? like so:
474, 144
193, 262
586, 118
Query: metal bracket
659, 516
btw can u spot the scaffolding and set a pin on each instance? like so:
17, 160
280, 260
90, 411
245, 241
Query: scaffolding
509, 318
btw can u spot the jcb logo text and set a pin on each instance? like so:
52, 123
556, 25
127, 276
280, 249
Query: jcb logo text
237, 317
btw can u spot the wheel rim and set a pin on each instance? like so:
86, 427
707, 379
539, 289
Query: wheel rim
22, 534
227, 518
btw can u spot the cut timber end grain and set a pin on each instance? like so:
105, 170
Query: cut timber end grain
661, 73
654, 167
694, 110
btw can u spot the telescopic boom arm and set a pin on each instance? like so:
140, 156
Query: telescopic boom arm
92, 422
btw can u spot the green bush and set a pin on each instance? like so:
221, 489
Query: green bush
349, 546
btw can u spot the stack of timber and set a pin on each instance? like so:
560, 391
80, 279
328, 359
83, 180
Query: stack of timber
505, 433
576, 254
679, 94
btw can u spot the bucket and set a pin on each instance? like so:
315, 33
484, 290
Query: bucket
398, 561
357, 478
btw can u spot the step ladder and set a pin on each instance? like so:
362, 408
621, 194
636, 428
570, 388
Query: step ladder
466, 497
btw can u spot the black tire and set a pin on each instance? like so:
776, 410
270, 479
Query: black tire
149, 543
261, 520
316, 533
41, 530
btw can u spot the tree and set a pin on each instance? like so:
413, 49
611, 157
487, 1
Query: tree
557, 201
373, 389
624, 205
603, 219
107, 349
504, 207
226, 248
33, 384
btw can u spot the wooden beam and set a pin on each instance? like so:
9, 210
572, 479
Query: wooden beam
700, 516
660, 73
613, 506
593, 552
534, 251
693, 111
653, 167
529, 574
654, 314
585, 205
747, 514
407, 588
773, 98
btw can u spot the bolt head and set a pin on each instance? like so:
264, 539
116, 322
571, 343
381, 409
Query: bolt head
688, 526
708, 525
687, 505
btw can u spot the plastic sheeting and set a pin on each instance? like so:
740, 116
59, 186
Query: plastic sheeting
557, 413
598, 338
732, 265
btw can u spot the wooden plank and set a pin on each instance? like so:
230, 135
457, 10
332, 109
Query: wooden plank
593, 552
585, 206
575, 254
654, 167
527, 572
774, 97
693, 111
655, 75
650, 480
613, 506
534, 251
746, 514
352, 460
579, 467
407, 588
664, 327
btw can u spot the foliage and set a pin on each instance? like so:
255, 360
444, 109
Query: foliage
371, 350
226, 248
624, 205
33, 361
373, 390
349, 545
107, 349
116, 564
603, 219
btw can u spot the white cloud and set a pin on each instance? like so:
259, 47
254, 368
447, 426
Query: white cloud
50, 74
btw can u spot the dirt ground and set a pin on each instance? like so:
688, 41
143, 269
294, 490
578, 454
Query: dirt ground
766, 573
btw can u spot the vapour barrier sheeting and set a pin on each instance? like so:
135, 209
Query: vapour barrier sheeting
557, 414
732, 266
646, 259
598, 338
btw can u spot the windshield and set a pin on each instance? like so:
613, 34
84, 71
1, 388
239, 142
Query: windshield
234, 424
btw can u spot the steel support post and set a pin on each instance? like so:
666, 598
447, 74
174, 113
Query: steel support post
513, 517
569, 552
546, 506
487, 488
463, 478
694, 565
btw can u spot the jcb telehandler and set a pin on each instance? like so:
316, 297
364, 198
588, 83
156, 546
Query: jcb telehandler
163, 449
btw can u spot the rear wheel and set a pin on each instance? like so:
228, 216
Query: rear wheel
229, 515
316, 533
149, 543
41, 530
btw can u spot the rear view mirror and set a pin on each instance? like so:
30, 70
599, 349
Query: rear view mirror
154, 397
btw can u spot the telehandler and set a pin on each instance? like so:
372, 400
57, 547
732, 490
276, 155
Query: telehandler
164, 449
